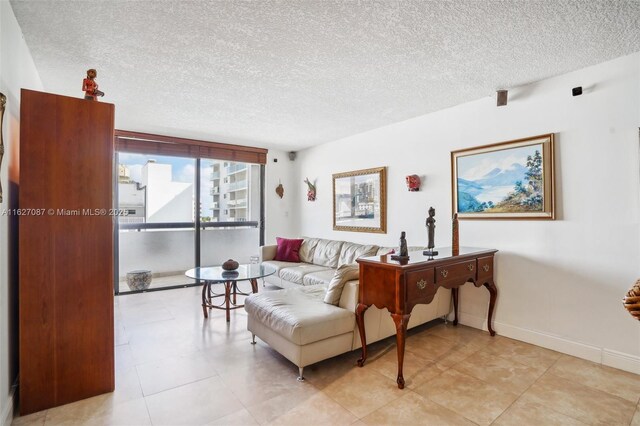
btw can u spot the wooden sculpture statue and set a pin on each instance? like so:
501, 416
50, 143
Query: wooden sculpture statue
90, 86
632, 300
403, 252
455, 241
431, 232
3, 102
311, 191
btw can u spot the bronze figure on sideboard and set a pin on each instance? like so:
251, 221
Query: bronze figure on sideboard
431, 231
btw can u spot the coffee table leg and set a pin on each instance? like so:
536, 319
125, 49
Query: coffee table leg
205, 285
235, 290
254, 285
227, 298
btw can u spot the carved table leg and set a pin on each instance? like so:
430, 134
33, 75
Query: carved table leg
227, 298
401, 334
360, 310
204, 299
493, 293
454, 295
254, 285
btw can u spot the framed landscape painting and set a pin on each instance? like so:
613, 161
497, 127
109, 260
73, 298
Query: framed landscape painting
360, 201
508, 180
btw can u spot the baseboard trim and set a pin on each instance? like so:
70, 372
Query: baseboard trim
604, 356
7, 412
621, 361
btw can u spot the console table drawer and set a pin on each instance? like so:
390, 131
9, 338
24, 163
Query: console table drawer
485, 267
420, 285
458, 272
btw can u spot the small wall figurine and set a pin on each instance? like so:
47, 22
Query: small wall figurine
311, 191
280, 190
413, 183
632, 300
90, 86
431, 231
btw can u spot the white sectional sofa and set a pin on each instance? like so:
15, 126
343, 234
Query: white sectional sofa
296, 322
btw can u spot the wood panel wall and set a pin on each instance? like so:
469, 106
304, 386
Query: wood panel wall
66, 254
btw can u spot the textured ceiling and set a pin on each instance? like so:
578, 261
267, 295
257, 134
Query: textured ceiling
292, 74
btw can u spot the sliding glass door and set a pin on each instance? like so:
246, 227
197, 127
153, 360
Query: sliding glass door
176, 213
230, 211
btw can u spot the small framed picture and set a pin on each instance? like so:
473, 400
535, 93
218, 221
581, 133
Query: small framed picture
507, 180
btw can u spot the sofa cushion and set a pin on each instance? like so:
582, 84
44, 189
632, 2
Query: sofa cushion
319, 278
351, 251
327, 253
278, 265
296, 274
287, 250
307, 249
343, 274
299, 315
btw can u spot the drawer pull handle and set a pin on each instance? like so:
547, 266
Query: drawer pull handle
444, 273
421, 284
470, 267
486, 268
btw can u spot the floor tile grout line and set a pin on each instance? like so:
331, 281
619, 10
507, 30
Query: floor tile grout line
449, 409
527, 390
534, 382
584, 384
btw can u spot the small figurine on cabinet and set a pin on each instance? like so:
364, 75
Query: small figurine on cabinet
404, 251
90, 86
431, 231
413, 183
311, 192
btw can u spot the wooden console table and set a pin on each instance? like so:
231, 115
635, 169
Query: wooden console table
398, 287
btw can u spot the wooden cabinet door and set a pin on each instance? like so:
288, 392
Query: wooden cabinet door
66, 253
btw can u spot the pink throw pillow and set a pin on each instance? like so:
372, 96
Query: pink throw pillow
288, 250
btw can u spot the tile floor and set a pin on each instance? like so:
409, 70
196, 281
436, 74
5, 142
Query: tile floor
175, 368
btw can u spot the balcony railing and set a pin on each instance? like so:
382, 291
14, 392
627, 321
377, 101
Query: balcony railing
215, 175
239, 203
183, 225
167, 249
235, 186
234, 168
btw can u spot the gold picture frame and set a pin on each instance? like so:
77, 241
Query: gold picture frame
506, 180
360, 201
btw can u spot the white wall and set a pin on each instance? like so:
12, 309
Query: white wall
17, 71
280, 212
560, 282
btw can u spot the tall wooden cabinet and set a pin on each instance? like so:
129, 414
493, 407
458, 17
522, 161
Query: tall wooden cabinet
66, 250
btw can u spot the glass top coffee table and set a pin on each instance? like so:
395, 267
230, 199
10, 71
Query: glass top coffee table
216, 275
